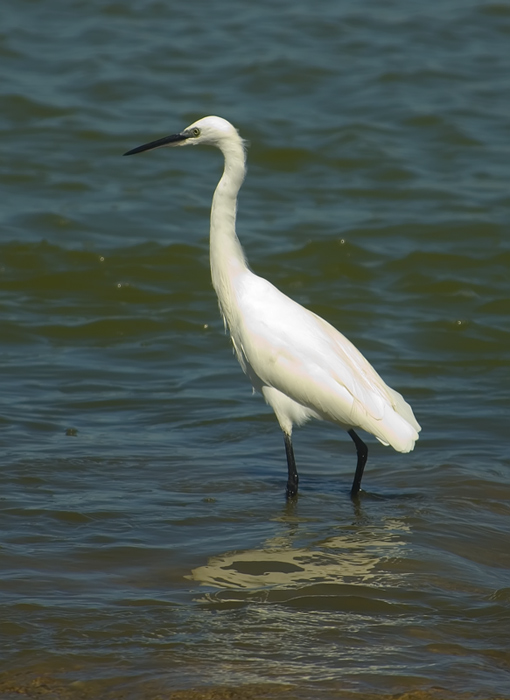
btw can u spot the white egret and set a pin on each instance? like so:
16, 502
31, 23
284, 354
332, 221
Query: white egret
303, 367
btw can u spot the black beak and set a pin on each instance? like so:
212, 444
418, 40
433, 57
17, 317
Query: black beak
165, 141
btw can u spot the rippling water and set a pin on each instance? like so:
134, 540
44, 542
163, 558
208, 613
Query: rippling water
146, 547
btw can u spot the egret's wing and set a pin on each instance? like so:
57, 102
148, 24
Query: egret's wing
303, 356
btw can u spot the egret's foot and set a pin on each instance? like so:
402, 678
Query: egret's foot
355, 495
292, 490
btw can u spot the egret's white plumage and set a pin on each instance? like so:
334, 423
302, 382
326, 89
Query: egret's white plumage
303, 366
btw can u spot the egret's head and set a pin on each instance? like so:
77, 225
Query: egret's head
212, 131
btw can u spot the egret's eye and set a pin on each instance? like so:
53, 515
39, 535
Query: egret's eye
195, 131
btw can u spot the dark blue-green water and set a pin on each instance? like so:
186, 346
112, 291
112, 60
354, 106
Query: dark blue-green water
145, 543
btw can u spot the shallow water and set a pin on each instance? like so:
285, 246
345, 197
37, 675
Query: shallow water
146, 546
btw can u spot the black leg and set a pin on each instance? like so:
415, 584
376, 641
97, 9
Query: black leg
293, 480
362, 451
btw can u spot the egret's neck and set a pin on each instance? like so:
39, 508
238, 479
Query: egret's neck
227, 257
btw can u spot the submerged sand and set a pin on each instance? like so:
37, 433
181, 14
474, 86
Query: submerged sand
19, 684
